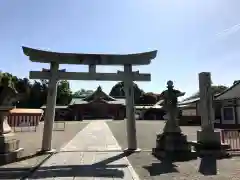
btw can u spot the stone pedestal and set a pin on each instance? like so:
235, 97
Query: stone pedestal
209, 143
9, 145
9, 148
174, 146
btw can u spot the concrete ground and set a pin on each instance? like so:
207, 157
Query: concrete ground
146, 132
31, 142
97, 156
146, 166
149, 168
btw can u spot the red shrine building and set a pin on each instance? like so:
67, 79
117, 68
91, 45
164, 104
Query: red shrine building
97, 105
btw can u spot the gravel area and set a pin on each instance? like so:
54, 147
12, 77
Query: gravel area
31, 142
149, 168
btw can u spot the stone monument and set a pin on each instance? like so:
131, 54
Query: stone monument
208, 139
172, 143
9, 145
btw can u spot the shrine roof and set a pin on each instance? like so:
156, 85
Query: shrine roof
77, 101
97, 95
43, 56
142, 107
158, 105
232, 92
26, 111
189, 101
56, 107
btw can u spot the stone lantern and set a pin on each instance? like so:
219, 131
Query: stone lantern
172, 143
9, 145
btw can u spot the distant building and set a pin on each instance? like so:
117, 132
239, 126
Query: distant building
226, 107
152, 112
97, 105
94, 106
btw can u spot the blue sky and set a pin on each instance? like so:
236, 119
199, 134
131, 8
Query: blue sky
190, 35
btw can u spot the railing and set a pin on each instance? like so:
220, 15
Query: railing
24, 122
30, 122
231, 137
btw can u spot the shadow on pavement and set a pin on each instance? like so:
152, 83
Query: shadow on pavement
99, 169
14, 172
163, 167
208, 165
23, 158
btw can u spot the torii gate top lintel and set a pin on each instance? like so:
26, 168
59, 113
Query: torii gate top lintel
42, 56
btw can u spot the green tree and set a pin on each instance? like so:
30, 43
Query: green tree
216, 89
118, 91
148, 98
36, 99
36, 92
64, 94
6, 79
82, 92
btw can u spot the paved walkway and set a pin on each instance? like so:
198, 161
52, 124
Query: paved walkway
93, 154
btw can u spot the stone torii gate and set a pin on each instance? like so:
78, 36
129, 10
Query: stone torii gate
54, 74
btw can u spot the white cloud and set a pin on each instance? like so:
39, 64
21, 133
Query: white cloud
229, 31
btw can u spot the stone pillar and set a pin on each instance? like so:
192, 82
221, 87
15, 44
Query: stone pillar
130, 111
207, 134
50, 109
206, 102
208, 139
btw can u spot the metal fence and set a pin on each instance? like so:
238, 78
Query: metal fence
232, 137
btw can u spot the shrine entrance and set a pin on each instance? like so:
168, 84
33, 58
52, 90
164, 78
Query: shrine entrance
91, 60
94, 111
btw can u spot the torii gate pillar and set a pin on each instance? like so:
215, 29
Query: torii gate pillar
50, 110
130, 110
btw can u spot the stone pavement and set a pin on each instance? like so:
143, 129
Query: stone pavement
92, 154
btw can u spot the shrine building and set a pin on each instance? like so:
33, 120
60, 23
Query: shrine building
97, 105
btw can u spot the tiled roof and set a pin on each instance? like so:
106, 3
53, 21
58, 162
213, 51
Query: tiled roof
189, 101
81, 101
99, 94
158, 105
230, 93
56, 107
142, 107
26, 111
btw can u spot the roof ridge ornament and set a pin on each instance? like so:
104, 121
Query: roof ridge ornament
99, 88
